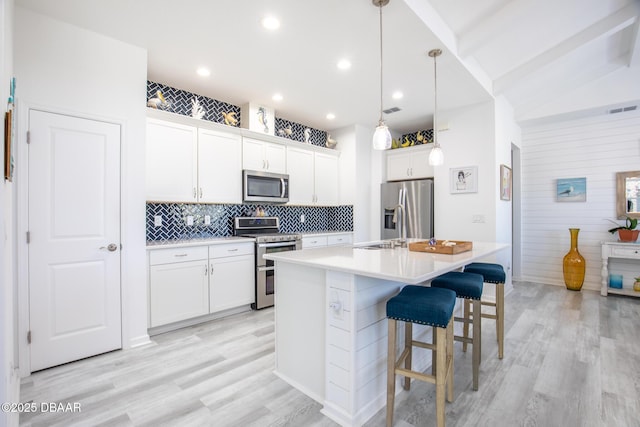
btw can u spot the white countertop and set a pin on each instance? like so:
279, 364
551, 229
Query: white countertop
180, 243
397, 264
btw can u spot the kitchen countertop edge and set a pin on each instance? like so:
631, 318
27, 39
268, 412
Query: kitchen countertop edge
164, 244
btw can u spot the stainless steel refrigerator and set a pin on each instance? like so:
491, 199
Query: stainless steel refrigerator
417, 199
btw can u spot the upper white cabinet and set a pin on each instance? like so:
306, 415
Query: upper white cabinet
263, 156
190, 164
313, 177
409, 163
171, 169
219, 167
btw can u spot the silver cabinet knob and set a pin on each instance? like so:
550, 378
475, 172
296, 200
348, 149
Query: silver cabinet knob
111, 248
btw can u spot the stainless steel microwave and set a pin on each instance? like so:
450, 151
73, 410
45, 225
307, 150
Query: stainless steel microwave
265, 187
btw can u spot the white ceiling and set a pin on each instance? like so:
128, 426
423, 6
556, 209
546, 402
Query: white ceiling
530, 51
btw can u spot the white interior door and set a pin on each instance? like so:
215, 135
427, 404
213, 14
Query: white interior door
74, 228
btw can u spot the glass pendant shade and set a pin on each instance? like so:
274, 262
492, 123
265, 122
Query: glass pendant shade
436, 157
381, 138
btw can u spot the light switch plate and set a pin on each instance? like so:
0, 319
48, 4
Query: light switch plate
190, 220
157, 220
207, 220
302, 218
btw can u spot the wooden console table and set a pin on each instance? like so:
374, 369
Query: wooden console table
623, 251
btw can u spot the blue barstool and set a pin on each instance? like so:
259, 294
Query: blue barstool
469, 287
425, 306
491, 273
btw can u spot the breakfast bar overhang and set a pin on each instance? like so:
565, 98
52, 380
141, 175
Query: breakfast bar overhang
330, 319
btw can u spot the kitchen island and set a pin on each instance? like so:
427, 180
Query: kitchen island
330, 319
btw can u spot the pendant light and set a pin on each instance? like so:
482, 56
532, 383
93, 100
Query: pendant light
381, 137
436, 157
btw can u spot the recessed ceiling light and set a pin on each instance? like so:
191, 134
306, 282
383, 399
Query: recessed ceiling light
397, 95
203, 72
331, 116
344, 64
277, 97
270, 22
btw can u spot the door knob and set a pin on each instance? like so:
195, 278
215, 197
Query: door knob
112, 247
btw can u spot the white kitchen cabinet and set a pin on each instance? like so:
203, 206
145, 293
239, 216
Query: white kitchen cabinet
171, 162
263, 156
340, 239
232, 282
178, 285
313, 177
314, 241
409, 163
326, 179
190, 164
188, 282
324, 240
219, 167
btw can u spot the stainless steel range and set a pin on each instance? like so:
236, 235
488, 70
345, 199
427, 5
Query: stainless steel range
266, 231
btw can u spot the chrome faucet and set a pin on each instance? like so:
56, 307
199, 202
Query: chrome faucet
402, 232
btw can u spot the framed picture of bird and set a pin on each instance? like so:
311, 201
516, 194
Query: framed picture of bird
571, 190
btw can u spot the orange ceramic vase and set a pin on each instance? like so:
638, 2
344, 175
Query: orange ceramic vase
573, 264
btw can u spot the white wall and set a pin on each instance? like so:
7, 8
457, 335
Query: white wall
594, 147
360, 177
469, 141
9, 382
66, 69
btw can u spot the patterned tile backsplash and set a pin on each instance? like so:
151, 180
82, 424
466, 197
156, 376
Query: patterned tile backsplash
180, 102
174, 219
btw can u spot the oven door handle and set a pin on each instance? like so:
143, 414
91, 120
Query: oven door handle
266, 268
276, 245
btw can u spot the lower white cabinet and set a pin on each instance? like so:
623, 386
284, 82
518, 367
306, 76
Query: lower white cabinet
323, 240
195, 281
232, 276
179, 285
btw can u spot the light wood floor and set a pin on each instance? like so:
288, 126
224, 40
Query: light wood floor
571, 359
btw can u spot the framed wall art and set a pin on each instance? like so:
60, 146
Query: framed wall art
571, 190
505, 182
463, 180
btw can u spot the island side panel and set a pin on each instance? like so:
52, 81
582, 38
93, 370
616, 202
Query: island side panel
300, 328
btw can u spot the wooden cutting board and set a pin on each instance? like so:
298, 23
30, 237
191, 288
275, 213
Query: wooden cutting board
440, 248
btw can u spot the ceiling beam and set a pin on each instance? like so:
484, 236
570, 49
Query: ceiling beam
485, 27
634, 48
534, 100
604, 28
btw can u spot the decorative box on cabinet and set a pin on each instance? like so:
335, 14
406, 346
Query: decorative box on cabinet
620, 258
409, 163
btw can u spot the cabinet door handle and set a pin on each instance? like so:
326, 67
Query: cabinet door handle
408, 174
264, 164
232, 250
201, 192
194, 192
206, 270
212, 270
180, 255
267, 163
